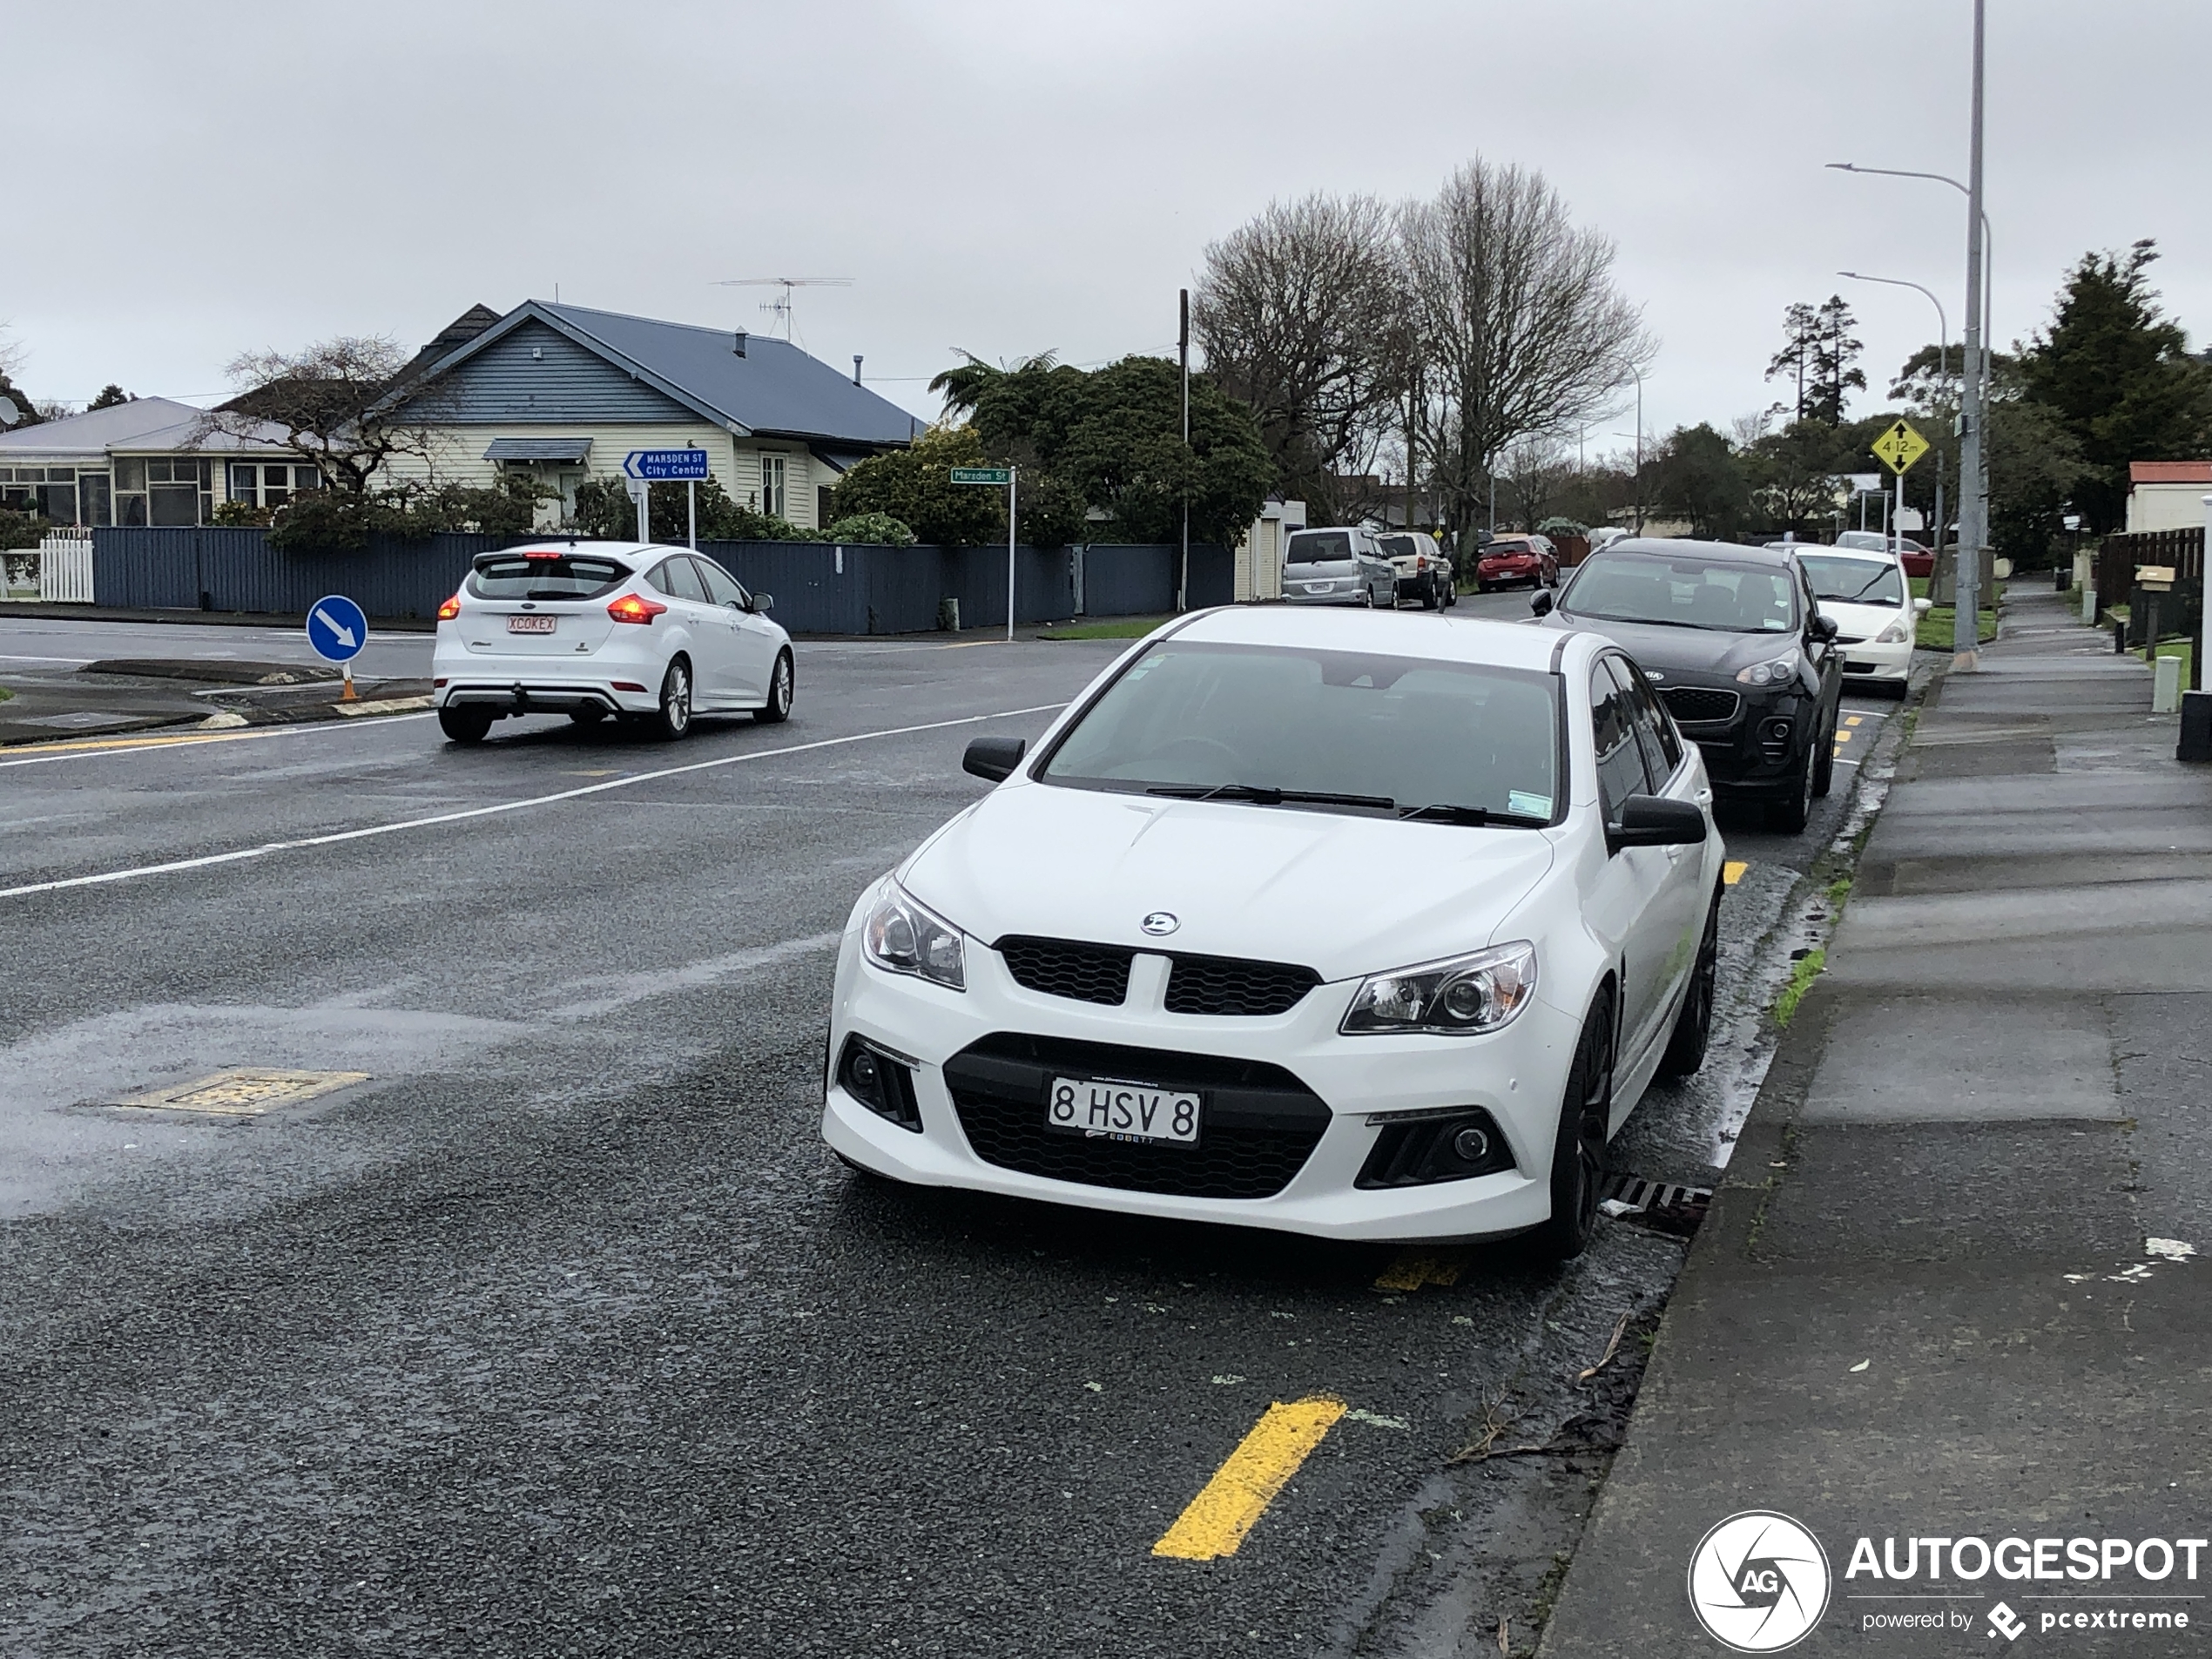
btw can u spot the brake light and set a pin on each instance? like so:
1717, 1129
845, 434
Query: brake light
450, 609
544, 553
635, 607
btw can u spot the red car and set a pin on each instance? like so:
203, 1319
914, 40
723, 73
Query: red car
1516, 558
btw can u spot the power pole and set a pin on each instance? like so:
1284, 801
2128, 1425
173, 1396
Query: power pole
1182, 586
1973, 472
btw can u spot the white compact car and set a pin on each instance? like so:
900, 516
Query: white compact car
1867, 596
589, 628
1167, 966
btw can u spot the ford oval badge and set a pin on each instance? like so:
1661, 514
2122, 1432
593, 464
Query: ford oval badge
1160, 921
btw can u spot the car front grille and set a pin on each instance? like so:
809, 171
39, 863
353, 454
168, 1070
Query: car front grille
1699, 705
1259, 1124
1069, 967
1851, 639
1226, 985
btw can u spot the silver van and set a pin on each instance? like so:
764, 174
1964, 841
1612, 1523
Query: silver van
1341, 566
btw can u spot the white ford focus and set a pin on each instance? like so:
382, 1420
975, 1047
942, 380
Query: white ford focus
1176, 963
588, 629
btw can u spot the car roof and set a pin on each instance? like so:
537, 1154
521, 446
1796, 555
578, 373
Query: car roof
1669, 548
1387, 633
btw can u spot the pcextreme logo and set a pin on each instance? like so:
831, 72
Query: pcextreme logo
1758, 1582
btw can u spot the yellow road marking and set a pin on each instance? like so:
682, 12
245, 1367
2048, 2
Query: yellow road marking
246, 1092
1853, 719
1732, 872
1217, 1519
1842, 737
1412, 1271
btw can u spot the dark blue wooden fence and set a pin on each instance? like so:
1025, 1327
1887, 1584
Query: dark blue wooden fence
818, 588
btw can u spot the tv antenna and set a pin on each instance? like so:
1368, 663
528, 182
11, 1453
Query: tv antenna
780, 306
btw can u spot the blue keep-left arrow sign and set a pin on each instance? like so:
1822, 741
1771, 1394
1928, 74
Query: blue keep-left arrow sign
666, 466
336, 629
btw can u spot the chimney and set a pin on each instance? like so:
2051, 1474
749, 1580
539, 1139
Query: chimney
739, 346
856, 368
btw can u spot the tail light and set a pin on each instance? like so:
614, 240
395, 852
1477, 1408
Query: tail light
635, 607
450, 609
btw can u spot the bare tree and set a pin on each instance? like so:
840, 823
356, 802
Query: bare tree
1300, 313
1534, 473
331, 405
1520, 326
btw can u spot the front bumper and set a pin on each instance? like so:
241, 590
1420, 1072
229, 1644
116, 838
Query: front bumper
1864, 659
1742, 755
1517, 1075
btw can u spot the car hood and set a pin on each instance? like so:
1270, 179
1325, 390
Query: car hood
1343, 895
1682, 651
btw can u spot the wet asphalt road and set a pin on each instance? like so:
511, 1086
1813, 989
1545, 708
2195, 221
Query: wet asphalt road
563, 1334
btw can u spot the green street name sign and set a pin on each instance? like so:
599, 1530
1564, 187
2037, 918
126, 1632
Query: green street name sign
983, 474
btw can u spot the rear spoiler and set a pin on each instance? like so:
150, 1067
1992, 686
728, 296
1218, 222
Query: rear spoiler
484, 560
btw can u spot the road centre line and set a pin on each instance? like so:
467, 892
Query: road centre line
1215, 1522
177, 866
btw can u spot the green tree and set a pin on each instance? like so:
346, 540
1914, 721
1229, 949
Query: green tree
1698, 476
604, 512
1820, 357
2117, 373
110, 394
914, 486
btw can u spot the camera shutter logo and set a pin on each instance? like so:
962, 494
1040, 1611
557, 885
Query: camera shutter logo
1758, 1582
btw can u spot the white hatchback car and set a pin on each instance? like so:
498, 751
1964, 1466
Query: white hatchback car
1166, 966
1868, 597
589, 628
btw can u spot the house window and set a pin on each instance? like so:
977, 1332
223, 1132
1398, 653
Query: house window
270, 484
771, 486
823, 507
52, 492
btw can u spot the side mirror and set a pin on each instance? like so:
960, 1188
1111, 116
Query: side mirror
1921, 607
1654, 820
761, 602
1824, 628
994, 758
1541, 604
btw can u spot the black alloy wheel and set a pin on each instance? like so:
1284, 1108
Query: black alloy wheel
673, 719
1578, 1154
462, 723
1823, 769
1789, 814
777, 710
1694, 1023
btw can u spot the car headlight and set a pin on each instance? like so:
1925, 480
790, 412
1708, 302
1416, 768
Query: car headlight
1896, 634
1459, 996
902, 936
1773, 673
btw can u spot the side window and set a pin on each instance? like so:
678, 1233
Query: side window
1655, 732
722, 588
678, 579
1620, 762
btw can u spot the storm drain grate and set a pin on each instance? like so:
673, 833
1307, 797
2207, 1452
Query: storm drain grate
1640, 1194
244, 1092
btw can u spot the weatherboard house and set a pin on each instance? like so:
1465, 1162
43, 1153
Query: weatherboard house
563, 392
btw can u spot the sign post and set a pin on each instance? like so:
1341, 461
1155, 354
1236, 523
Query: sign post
1898, 448
998, 475
337, 632
646, 467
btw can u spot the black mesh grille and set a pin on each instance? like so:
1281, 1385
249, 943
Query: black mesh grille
1691, 703
1226, 985
1259, 1124
1065, 967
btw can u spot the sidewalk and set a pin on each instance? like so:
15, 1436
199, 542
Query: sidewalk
1923, 1305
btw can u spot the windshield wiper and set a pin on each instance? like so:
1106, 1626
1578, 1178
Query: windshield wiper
1476, 816
1266, 795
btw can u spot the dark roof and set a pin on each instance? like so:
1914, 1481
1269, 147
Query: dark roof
539, 449
450, 339
774, 389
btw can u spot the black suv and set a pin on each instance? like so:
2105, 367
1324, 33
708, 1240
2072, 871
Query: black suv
1733, 641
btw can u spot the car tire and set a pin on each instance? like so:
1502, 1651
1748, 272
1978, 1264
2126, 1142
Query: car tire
781, 682
590, 715
1429, 600
673, 719
1480, 586
1366, 598
462, 723
1790, 815
1578, 1149
1694, 1022
1823, 764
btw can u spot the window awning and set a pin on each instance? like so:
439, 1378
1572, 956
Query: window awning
539, 449
839, 458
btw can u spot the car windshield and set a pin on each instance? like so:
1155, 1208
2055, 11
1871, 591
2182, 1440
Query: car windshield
1270, 724
1319, 547
565, 576
1857, 582
1683, 592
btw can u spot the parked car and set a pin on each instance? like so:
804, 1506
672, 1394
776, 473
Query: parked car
1867, 596
1132, 977
1505, 559
1917, 560
1423, 571
1338, 567
1733, 639
1604, 536
588, 629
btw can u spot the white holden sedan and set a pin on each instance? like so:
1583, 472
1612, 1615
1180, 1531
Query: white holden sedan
1171, 965
649, 634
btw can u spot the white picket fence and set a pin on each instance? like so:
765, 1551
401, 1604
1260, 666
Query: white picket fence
65, 569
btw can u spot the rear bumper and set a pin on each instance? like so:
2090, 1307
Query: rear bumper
614, 681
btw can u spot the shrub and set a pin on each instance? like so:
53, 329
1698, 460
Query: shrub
241, 515
879, 529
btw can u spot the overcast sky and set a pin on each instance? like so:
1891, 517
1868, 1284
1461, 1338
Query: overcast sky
1016, 176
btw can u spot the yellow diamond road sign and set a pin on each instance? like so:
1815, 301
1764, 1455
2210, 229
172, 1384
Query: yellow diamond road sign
1900, 447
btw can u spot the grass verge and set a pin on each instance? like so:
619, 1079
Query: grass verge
1120, 628
1808, 968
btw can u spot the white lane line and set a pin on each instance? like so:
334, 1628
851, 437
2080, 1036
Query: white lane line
18, 656
194, 738
207, 860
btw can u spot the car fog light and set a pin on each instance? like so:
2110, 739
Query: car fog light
1452, 1143
882, 1084
1471, 1144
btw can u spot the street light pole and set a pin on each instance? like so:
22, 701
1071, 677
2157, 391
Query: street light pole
1943, 373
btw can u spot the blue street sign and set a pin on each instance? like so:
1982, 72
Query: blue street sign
666, 466
336, 629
